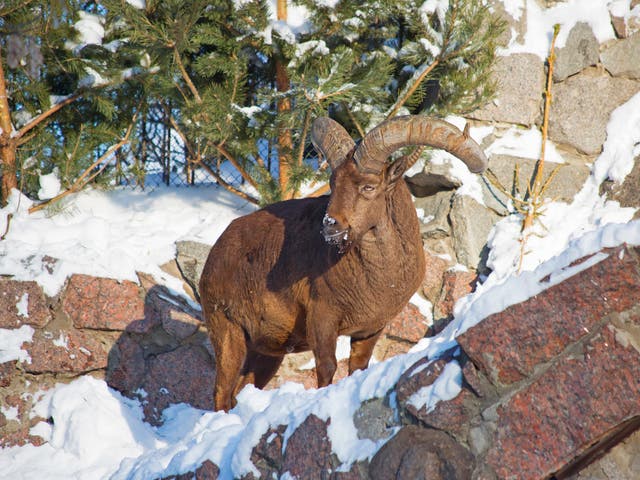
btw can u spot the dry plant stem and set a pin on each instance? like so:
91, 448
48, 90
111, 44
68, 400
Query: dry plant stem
537, 185
6, 230
536, 192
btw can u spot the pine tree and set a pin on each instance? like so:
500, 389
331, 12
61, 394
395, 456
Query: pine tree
232, 86
61, 84
241, 81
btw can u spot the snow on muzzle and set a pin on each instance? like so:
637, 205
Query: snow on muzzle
333, 233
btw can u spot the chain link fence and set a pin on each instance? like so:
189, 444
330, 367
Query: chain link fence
170, 167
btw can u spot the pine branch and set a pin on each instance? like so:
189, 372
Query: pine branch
225, 153
305, 131
182, 135
225, 184
85, 178
185, 75
400, 103
37, 120
354, 120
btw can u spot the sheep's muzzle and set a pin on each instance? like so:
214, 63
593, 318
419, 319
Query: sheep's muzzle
334, 234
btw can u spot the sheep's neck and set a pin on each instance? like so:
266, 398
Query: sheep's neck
392, 250
387, 266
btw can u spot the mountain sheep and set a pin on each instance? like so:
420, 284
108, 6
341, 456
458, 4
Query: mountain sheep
295, 275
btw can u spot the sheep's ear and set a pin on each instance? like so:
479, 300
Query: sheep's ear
331, 140
396, 169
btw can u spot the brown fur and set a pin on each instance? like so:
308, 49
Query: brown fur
273, 285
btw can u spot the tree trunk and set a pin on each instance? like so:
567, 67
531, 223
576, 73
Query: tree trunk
285, 142
8, 145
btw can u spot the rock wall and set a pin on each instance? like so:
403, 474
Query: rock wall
548, 383
145, 341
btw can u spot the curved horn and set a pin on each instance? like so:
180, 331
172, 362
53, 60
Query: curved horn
331, 140
371, 155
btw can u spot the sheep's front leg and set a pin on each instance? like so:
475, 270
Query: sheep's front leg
361, 350
322, 337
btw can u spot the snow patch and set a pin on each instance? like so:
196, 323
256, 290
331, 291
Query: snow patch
139, 4
447, 386
49, 185
10, 413
111, 234
424, 306
62, 341
11, 341
540, 23
622, 144
23, 305
523, 143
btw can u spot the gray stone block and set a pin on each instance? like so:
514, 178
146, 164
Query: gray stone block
580, 51
191, 257
622, 58
471, 223
581, 108
520, 78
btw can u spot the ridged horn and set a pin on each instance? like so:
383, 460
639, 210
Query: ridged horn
372, 153
331, 140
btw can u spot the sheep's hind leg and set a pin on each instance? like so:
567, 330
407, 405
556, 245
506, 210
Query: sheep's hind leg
361, 350
230, 351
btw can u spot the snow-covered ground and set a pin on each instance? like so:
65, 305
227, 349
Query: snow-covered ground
97, 433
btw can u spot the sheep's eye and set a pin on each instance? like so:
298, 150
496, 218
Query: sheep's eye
367, 188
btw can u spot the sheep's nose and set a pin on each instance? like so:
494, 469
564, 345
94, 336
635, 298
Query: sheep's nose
328, 221
332, 231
